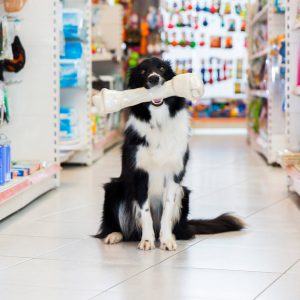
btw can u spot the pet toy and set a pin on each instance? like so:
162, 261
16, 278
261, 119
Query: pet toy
187, 85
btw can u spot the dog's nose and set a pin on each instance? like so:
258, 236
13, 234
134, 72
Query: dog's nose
153, 79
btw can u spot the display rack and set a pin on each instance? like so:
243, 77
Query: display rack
79, 97
107, 71
273, 139
293, 100
209, 38
34, 105
86, 148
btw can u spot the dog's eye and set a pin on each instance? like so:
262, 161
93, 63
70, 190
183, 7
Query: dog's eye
162, 68
143, 72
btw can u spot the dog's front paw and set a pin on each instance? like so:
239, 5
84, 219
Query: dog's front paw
146, 245
168, 243
113, 238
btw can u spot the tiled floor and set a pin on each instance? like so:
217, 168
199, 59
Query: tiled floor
46, 252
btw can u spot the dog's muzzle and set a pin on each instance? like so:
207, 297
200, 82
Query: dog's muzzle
154, 80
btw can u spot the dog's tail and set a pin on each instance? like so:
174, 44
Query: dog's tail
223, 223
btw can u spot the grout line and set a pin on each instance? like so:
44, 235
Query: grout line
140, 272
266, 207
229, 270
26, 259
43, 236
280, 276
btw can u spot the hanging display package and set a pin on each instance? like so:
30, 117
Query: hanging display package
19, 58
12, 6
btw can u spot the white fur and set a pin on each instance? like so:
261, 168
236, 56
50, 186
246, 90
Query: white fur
148, 237
162, 159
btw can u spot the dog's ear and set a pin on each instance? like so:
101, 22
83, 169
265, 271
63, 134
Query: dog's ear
169, 71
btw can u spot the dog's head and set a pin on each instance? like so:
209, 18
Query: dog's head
149, 73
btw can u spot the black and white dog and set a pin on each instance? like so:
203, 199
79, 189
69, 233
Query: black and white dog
148, 200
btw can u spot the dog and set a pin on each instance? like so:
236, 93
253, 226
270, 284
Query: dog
148, 200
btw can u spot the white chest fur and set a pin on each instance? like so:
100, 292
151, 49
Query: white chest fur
167, 143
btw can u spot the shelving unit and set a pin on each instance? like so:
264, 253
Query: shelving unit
34, 105
293, 100
260, 16
212, 44
87, 150
268, 145
79, 98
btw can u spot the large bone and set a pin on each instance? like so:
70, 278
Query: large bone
188, 86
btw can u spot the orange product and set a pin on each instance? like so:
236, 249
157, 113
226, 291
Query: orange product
144, 29
12, 6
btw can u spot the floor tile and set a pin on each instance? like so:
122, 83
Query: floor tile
235, 258
286, 287
176, 283
66, 274
126, 253
8, 261
21, 292
29, 246
259, 239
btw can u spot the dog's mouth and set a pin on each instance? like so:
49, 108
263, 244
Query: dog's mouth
158, 102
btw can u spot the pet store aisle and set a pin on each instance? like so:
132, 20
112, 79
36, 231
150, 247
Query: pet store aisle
46, 251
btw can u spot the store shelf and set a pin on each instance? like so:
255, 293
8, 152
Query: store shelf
218, 122
224, 98
259, 93
258, 143
261, 16
296, 26
294, 176
102, 57
259, 54
21, 191
69, 61
297, 91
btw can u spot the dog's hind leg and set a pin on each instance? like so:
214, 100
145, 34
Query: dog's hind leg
110, 223
113, 238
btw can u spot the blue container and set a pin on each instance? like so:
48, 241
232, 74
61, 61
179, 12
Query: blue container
8, 162
5, 160
73, 50
72, 23
68, 75
2, 165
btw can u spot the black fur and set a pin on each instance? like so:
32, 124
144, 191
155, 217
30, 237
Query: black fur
132, 185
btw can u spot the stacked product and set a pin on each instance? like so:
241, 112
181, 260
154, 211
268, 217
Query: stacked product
98, 125
69, 131
218, 109
71, 66
5, 159
25, 168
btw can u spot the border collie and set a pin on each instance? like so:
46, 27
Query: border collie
148, 200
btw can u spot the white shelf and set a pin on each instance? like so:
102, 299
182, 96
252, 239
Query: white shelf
259, 54
69, 61
258, 143
261, 16
102, 57
294, 178
297, 90
259, 93
34, 105
21, 191
296, 26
